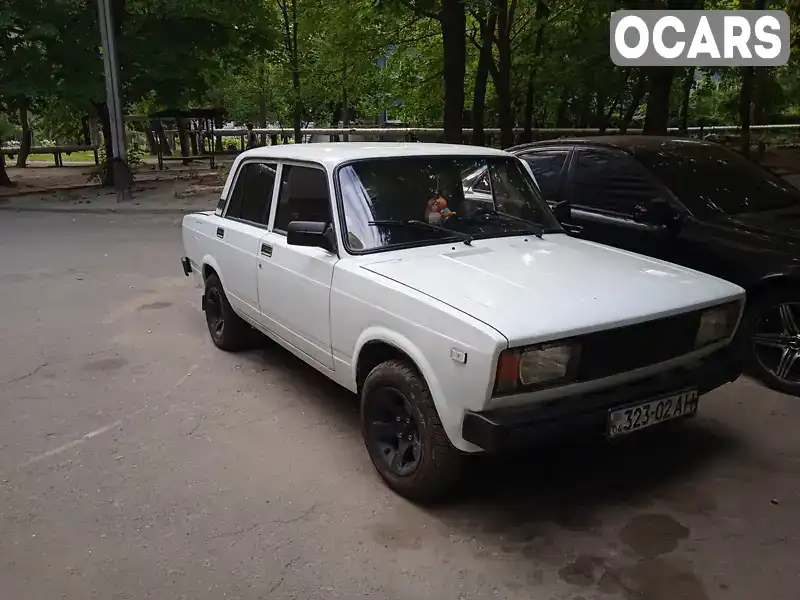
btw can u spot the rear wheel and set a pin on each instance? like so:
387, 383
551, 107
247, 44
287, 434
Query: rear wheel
404, 436
773, 323
227, 329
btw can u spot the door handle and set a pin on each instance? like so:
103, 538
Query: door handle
266, 250
220, 232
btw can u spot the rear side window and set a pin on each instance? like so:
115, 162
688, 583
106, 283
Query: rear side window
546, 166
612, 181
251, 197
303, 196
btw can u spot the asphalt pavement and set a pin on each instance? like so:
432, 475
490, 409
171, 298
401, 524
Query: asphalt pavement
138, 461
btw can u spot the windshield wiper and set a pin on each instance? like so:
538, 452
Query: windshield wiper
464, 237
534, 228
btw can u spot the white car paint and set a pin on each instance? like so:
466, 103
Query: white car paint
426, 301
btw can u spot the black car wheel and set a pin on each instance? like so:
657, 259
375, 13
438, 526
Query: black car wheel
228, 331
775, 336
403, 435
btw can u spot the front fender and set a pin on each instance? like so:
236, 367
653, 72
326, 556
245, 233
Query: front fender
450, 413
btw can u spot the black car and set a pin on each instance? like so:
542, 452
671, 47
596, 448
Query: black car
697, 204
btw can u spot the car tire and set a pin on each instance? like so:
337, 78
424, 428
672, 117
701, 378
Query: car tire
397, 408
769, 349
227, 329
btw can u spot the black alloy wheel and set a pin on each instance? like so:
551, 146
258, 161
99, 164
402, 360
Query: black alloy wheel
776, 344
392, 432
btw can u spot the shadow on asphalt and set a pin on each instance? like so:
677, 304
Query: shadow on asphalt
564, 484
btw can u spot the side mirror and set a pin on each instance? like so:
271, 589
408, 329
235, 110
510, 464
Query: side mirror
658, 212
563, 211
312, 234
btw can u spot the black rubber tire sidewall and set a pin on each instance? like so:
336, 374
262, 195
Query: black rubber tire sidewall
441, 464
236, 333
753, 312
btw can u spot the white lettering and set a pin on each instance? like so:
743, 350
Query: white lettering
703, 41
631, 21
734, 39
658, 37
774, 41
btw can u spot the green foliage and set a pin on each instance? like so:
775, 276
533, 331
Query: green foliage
234, 54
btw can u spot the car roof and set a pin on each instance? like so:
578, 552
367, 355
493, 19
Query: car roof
631, 143
334, 153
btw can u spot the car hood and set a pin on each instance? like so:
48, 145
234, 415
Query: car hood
776, 230
532, 290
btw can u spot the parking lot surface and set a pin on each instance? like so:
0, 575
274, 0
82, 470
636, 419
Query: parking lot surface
138, 461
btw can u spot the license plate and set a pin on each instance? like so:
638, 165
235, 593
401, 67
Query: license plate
636, 417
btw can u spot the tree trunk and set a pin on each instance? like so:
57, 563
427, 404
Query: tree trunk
453, 18
336, 117
600, 111
562, 119
745, 103
656, 119
152, 148
542, 9
193, 135
746, 98
25, 147
262, 99
688, 82
4, 180
298, 106
505, 18
218, 141
107, 179
636, 101
481, 78
183, 139
161, 135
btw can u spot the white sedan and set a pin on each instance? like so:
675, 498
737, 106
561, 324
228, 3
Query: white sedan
464, 324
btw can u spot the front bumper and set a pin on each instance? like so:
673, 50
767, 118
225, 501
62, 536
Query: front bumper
584, 415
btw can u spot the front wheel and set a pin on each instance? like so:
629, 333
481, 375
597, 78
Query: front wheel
404, 436
773, 328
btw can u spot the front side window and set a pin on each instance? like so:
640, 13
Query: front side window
388, 202
546, 166
612, 181
251, 197
303, 196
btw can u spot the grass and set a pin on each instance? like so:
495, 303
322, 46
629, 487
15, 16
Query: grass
83, 156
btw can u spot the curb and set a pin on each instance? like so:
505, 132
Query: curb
103, 211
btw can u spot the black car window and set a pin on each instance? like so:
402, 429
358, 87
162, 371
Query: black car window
546, 166
303, 197
611, 181
252, 193
708, 177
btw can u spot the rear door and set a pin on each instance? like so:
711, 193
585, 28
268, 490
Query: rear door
243, 224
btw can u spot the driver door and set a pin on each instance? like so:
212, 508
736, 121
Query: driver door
606, 189
294, 282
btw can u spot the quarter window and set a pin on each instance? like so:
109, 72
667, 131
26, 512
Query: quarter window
303, 196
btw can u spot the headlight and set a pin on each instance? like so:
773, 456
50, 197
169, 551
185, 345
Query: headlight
717, 324
535, 365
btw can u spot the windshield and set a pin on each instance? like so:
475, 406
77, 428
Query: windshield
711, 177
385, 200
